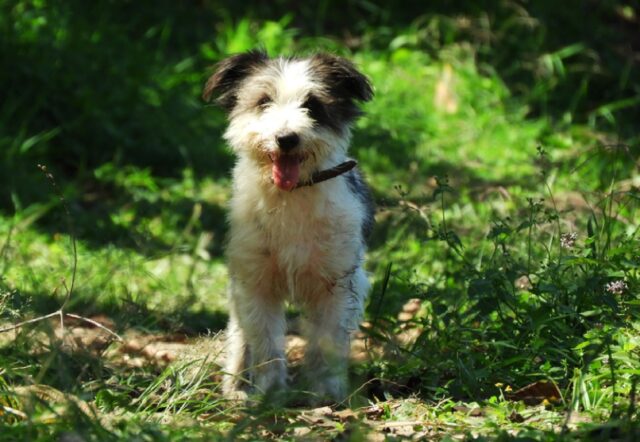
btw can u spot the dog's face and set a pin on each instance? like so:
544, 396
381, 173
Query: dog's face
289, 115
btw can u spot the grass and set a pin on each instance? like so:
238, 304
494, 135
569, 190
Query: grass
504, 261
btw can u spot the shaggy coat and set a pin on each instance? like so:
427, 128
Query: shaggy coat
292, 239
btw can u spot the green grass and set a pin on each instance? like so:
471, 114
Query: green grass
484, 160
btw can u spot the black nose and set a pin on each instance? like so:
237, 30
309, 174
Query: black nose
287, 141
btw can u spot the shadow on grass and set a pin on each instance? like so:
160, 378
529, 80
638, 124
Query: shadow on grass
124, 312
95, 223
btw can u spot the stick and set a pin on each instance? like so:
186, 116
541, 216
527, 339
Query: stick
30, 321
97, 324
10, 410
61, 314
72, 233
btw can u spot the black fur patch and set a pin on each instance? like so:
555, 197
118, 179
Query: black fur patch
318, 112
361, 190
345, 85
228, 73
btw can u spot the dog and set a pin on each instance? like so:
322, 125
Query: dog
299, 217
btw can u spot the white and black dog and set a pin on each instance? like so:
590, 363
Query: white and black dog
299, 216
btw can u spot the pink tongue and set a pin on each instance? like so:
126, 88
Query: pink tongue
286, 172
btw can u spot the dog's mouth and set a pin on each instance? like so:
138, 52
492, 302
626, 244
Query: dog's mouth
285, 170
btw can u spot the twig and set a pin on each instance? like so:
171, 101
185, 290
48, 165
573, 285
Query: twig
61, 314
69, 289
96, 323
10, 410
30, 321
74, 247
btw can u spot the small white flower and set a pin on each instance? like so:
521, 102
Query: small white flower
616, 287
568, 240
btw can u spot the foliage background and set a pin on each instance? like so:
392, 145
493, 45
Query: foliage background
498, 127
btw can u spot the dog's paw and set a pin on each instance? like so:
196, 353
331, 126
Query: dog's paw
236, 396
235, 388
271, 377
330, 390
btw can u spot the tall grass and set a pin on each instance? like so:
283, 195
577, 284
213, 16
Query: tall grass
502, 155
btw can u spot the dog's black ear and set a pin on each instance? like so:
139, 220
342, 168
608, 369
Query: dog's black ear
343, 78
228, 73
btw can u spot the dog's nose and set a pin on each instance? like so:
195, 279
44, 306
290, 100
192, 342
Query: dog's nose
287, 141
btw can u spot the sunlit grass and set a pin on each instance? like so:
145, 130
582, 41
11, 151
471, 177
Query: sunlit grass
475, 191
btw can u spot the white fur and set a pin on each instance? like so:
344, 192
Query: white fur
303, 246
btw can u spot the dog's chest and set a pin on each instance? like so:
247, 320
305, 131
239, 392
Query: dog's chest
301, 233
311, 234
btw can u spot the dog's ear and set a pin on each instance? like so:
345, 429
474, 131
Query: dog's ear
228, 73
343, 78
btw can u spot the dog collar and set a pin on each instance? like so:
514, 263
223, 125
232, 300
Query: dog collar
327, 174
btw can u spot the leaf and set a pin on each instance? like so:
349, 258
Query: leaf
525, 225
454, 241
577, 260
345, 415
42, 136
536, 393
502, 231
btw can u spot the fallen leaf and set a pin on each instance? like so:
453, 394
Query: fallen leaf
536, 393
346, 415
374, 411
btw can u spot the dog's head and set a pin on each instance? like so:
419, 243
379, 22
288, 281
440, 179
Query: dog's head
290, 115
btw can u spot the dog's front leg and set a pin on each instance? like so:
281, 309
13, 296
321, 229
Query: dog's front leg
330, 321
255, 342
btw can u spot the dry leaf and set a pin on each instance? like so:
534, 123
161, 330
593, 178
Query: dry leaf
346, 415
536, 393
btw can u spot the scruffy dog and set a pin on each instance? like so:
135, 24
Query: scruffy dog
299, 216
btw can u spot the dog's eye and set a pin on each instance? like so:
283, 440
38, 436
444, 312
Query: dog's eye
262, 102
316, 110
312, 104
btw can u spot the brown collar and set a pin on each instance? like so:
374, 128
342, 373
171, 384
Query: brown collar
327, 174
